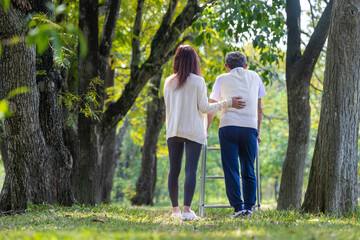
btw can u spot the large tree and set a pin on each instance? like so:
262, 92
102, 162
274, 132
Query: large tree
88, 180
299, 69
93, 132
333, 185
38, 164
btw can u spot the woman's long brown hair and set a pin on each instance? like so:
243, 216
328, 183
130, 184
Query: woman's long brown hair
186, 61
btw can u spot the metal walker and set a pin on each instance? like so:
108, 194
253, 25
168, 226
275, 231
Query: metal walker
203, 177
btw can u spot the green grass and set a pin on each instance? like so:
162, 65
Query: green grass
112, 222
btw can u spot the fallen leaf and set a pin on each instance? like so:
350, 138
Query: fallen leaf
98, 220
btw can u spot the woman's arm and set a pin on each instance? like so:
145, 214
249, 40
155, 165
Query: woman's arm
212, 108
206, 107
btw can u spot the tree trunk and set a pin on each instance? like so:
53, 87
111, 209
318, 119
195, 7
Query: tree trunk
70, 133
332, 185
119, 140
50, 113
38, 165
155, 117
108, 162
299, 69
107, 36
276, 188
29, 172
87, 167
108, 166
298, 92
3, 152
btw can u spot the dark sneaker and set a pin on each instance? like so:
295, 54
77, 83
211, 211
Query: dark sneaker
242, 214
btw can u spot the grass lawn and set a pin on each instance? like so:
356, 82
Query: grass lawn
112, 222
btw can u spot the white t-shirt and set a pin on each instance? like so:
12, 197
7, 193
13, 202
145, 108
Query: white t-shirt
239, 82
216, 90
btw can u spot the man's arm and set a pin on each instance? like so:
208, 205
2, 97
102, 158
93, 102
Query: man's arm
260, 113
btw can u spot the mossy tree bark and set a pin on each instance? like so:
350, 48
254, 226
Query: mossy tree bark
38, 165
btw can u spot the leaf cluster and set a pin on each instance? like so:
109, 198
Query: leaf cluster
239, 23
88, 103
44, 32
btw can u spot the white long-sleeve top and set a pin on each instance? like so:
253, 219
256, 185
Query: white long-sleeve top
186, 108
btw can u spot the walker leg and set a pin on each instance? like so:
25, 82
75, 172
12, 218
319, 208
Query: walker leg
258, 186
202, 181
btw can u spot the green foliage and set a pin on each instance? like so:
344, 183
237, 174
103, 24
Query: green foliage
5, 5
239, 23
4, 103
88, 103
115, 222
4, 109
44, 33
17, 91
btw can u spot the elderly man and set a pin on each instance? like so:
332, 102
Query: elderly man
239, 130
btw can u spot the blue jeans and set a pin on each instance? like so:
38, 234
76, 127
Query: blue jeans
239, 142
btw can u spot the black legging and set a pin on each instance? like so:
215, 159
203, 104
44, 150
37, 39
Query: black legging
176, 150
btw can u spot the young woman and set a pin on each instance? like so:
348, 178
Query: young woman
186, 101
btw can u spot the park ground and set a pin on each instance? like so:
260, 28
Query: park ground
126, 222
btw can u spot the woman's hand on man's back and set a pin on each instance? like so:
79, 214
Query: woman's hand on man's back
238, 103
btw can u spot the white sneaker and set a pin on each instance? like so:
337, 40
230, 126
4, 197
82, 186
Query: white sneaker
189, 216
176, 215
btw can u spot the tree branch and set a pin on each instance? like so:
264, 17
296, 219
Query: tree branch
293, 53
172, 52
306, 34
169, 38
136, 53
312, 85
107, 36
318, 39
312, 13
168, 17
165, 24
318, 78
